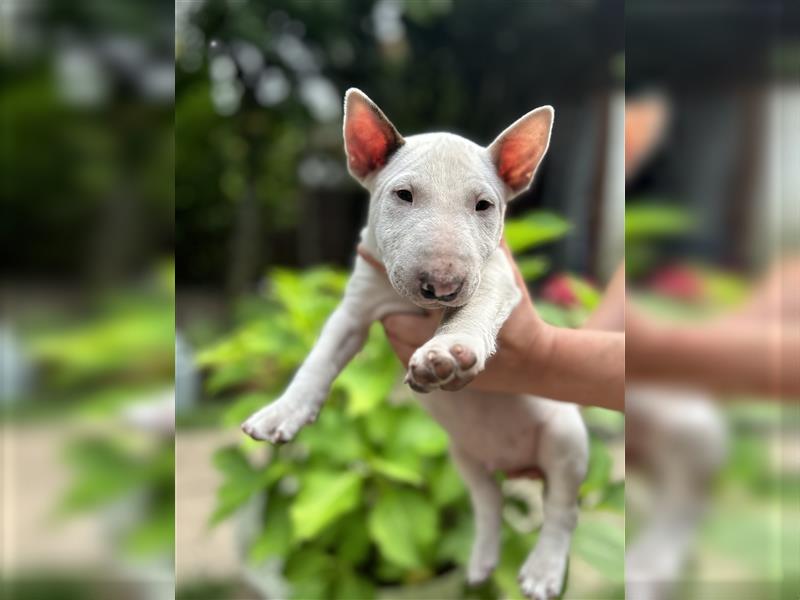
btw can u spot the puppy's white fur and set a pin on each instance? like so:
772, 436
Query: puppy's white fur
441, 234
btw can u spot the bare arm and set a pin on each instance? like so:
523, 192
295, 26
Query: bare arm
585, 367
726, 356
753, 350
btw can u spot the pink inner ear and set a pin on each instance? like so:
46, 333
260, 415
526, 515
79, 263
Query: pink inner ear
517, 160
369, 140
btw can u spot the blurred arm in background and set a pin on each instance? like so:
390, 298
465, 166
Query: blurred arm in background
755, 350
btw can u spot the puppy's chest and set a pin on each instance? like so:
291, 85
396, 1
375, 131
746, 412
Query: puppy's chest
501, 431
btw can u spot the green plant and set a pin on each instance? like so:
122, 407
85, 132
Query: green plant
646, 222
107, 470
118, 355
367, 498
531, 230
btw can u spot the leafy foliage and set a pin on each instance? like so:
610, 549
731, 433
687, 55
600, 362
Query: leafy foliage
649, 220
533, 229
646, 223
367, 498
108, 471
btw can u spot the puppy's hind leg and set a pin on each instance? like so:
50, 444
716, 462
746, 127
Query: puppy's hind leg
563, 456
487, 504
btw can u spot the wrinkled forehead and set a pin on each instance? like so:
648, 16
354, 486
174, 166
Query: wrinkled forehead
442, 161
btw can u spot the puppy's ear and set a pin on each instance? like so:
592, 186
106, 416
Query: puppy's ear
518, 151
369, 138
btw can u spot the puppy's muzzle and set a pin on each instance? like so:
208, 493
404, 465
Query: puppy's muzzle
432, 288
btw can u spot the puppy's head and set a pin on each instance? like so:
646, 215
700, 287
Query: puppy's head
437, 199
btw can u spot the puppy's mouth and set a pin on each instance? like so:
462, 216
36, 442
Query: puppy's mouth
425, 295
429, 300
426, 303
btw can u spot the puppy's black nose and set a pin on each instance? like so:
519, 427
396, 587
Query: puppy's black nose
437, 290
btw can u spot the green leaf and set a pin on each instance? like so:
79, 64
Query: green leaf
245, 405
614, 497
276, 536
587, 294
241, 481
334, 436
324, 497
350, 586
532, 267
602, 419
230, 496
652, 220
369, 379
403, 524
418, 433
602, 545
309, 573
103, 472
446, 485
456, 540
554, 314
396, 470
534, 229
355, 546
599, 467
156, 535
232, 463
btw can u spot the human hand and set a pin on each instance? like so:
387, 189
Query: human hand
509, 369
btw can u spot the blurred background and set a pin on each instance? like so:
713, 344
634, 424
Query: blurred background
712, 139
365, 503
155, 156
86, 299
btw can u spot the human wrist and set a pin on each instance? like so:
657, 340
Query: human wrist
541, 343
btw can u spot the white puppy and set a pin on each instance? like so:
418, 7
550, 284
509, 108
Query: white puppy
435, 224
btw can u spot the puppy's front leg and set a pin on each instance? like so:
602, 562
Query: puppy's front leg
467, 335
341, 338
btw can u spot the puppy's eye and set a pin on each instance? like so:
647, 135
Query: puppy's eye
404, 195
483, 205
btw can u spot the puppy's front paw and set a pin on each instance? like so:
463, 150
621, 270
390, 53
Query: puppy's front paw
279, 422
447, 362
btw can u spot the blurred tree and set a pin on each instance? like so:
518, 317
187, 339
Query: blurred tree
259, 88
87, 155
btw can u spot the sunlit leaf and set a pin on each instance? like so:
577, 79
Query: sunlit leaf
417, 432
588, 295
276, 536
396, 470
532, 267
602, 545
651, 220
533, 229
240, 482
446, 484
324, 497
599, 467
402, 523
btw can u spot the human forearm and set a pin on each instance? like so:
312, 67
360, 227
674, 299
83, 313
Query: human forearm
585, 367
756, 358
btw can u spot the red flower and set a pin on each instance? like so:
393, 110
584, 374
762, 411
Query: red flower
558, 290
678, 282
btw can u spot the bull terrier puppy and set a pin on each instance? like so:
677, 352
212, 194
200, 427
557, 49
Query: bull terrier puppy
432, 238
